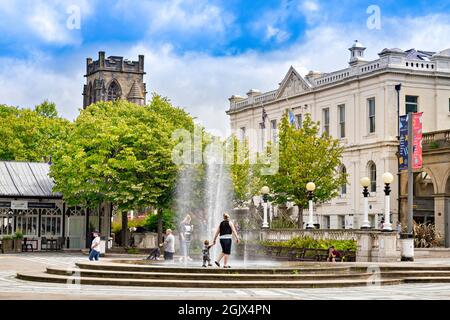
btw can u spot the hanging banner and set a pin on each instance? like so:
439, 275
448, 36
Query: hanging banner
403, 154
417, 140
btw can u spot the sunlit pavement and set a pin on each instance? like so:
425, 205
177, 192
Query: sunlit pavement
12, 288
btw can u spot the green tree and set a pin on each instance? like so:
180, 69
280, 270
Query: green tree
122, 153
46, 109
28, 135
245, 175
306, 155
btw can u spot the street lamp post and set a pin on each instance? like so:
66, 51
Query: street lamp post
365, 183
265, 194
387, 179
310, 186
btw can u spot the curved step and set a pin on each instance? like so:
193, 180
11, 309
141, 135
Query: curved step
178, 269
201, 276
44, 277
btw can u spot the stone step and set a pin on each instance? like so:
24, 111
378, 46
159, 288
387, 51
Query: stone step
436, 279
44, 277
155, 267
201, 276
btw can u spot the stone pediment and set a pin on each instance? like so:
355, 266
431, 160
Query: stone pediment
292, 84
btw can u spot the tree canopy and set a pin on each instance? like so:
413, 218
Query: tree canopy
306, 155
31, 135
120, 152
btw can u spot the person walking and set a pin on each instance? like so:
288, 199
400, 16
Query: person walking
225, 232
186, 229
169, 245
95, 247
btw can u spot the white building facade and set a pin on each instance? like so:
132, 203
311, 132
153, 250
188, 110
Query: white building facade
357, 105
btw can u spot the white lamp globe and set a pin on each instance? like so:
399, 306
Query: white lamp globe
365, 182
265, 190
388, 177
310, 186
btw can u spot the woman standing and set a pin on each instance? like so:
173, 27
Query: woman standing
186, 229
225, 232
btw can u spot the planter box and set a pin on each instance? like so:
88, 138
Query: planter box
7, 246
18, 245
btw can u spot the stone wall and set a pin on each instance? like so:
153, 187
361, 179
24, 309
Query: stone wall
372, 245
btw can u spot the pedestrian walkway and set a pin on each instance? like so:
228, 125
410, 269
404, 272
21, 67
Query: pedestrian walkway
13, 288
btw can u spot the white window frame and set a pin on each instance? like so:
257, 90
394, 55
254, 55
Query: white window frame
341, 124
370, 116
274, 130
326, 120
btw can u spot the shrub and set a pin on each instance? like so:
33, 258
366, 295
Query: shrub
7, 238
310, 243
18, 235
137, 222
133, 251
426, 235
116, 227
151, 221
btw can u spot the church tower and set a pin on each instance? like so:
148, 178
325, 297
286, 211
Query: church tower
114, 78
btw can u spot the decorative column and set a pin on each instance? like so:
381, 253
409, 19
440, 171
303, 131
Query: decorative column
365, 183
310, 187
387, 179
265, 194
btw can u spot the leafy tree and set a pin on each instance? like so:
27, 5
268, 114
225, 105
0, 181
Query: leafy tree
122, 153
46, 109
245, 175
306, 155
28, 135
168, 217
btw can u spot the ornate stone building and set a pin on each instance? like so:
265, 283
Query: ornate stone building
357, 105
114, 78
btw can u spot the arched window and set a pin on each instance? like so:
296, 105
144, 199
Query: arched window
114, 91
373, 176
343, 171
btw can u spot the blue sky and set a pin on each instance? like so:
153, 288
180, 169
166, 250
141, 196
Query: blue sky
198, 52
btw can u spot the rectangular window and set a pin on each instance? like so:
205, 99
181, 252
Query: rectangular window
299, 119
411, 104
341, 110
341, 222
326, 120
242, 134
273, 126
326, 222
261, 136
448, 104
371, 111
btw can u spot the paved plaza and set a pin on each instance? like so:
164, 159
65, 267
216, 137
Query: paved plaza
12, 288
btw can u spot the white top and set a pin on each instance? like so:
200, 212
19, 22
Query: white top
96, 243
169, 244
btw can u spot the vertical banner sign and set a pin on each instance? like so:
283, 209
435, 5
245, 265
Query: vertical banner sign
417, 140
403, 154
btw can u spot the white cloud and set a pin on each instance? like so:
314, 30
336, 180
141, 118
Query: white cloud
185, 16
46, 21
202, 83
275, 33
310, 5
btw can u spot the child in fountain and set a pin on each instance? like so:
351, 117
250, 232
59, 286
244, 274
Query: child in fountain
205, 252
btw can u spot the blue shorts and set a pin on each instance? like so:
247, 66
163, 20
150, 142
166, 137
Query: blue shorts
226, 245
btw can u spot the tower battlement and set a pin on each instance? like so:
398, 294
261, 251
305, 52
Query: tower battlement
112, 78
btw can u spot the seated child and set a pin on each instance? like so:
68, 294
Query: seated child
205, 252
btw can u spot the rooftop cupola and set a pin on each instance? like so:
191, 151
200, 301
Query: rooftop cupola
356, 54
